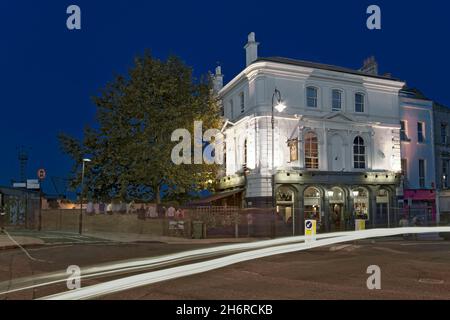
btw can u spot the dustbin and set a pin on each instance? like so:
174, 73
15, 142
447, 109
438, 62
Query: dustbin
198, 229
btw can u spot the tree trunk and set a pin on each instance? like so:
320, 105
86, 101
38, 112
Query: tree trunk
158, 194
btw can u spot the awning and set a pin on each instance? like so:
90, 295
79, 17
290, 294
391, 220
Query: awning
215, 197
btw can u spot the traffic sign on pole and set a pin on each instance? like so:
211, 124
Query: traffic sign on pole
310, 230
41, 174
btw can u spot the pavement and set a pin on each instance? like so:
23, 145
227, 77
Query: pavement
131, 237
32, 238
6, 243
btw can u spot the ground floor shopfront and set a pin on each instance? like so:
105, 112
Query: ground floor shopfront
335, 200
421, 203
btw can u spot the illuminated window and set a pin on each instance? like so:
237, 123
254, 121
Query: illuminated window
445, 168
336, 100
311, 95
361, 203
312, 202
311, 151
359, 153
359, 102
242, 100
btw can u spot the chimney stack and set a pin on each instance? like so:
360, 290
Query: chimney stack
251, 49
218, 80
370, 66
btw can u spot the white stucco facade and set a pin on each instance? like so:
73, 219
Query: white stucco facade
338, 136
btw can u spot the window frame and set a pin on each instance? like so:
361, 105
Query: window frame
311, 161
341, 95
363, 95
316, 99
357, 163
445, 173
444, 139
422, 173
242, 102
421, 132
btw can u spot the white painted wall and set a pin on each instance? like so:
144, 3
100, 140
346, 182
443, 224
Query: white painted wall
412, 112
379, 125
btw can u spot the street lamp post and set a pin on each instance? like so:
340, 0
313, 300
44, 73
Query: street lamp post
279, 106
80, 225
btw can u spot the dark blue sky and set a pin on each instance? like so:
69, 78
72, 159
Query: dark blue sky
48, 74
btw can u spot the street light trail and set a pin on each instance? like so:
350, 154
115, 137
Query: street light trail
201, 267
117, 268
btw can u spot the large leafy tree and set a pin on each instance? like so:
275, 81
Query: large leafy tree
131, 146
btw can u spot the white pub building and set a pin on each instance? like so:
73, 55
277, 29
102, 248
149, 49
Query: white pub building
333, 151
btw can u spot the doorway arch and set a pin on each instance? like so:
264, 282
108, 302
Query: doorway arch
312, 205
337, 217
285, 210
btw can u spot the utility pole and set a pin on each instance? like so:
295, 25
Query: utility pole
80, 225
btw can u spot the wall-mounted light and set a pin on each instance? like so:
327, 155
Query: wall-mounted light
330, 193
355, 193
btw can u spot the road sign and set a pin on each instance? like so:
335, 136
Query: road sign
19, 185
33, 184
41, 174
310, 230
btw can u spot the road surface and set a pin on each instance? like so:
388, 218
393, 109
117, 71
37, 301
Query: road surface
410, 270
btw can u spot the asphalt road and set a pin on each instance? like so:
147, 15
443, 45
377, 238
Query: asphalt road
410, 270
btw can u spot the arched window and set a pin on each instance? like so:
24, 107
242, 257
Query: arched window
312, 203
311, 97
311, 151
359, 153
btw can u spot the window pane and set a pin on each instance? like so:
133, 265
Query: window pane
337, 100
311, 151
359, 153
311, 94
359, 102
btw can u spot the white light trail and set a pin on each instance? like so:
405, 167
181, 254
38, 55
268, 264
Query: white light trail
196, 268
115, 268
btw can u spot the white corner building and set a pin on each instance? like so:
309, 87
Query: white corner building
336, 144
